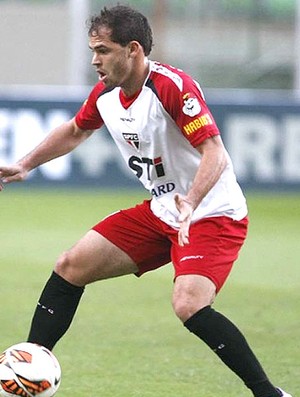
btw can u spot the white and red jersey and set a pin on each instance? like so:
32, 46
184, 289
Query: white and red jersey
157, 132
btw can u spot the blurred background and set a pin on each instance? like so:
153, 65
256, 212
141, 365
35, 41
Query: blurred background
245, 54
225, 43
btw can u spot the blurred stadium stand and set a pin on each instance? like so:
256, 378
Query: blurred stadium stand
223, 43
244, 53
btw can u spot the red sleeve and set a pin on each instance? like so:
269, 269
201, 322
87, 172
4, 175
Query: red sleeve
187, 107
88, 116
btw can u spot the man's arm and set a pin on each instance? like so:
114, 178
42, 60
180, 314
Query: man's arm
213, 163
60, 141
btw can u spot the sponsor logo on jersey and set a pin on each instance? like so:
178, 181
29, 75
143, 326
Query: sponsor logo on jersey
145, 166
132, 139
136, 165
163, 189
159, 167
198, 123
191, 106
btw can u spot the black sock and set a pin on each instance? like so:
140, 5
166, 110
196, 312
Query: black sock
229, 344
55, 311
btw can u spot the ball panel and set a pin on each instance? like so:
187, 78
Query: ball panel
28, 370
7, 381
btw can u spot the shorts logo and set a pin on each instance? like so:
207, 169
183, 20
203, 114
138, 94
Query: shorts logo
191, 105
186, 258
132, 139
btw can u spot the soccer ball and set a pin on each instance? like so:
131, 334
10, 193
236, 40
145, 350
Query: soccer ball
28, 370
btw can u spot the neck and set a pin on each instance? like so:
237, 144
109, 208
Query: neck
138, 78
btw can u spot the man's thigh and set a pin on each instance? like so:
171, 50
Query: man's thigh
94, 258
214, 247
139, 233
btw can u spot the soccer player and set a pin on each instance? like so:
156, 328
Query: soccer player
197, 216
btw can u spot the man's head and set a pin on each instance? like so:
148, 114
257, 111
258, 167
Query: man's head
125, 25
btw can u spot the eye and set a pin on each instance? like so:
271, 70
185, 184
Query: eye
100, 50
103, 50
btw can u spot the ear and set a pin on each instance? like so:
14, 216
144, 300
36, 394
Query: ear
134, 48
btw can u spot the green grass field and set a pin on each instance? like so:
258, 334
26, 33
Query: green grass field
125, 340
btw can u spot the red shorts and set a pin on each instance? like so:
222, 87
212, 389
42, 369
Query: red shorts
214, 242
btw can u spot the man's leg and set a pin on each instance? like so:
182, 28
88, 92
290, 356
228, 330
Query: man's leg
92, 258
192, 299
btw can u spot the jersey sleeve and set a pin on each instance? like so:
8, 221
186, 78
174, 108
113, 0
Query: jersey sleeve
88, 116
186, 105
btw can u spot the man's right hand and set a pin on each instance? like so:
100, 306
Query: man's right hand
12, 173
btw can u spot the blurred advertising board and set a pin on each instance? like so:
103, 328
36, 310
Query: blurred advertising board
261, 133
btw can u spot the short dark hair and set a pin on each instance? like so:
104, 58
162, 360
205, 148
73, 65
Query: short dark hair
126, 25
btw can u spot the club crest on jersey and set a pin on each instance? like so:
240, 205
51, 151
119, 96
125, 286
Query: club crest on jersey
191, 105
132, 139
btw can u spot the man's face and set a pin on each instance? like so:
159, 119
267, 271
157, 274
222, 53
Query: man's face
111, 60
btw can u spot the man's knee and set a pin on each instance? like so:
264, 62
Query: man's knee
63, 266
184, 307
191, 294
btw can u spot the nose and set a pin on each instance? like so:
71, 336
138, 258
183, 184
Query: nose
96, 59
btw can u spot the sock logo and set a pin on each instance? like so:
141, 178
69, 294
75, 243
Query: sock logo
43, 307
220, 347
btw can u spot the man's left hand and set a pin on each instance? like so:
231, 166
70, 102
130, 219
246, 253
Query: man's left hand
186, 211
